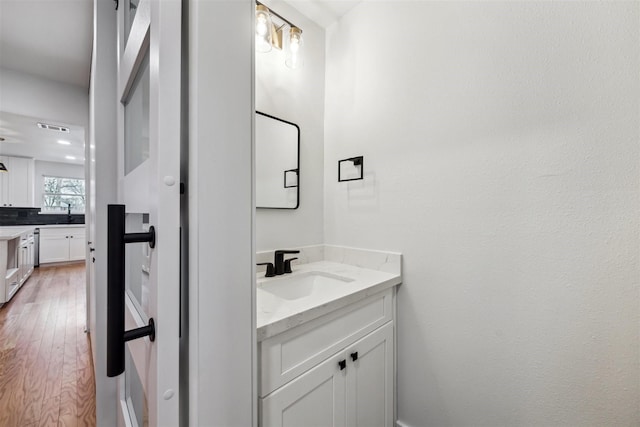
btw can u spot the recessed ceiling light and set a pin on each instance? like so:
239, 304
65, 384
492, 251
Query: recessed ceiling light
69, 157
63, 142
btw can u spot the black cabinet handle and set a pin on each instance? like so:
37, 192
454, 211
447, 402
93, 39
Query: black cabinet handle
342, 364
116, 335
354, 356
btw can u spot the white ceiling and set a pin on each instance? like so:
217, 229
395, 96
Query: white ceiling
47, 38
323, 12
23, 138
51, 39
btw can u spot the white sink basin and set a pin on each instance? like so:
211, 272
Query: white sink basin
304, 285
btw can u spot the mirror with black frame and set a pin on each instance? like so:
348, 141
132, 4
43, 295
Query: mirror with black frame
277, 163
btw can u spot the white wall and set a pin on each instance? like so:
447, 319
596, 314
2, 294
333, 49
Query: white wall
222, 311
42, 168
28, 95
296, 96
101, 179
500, 144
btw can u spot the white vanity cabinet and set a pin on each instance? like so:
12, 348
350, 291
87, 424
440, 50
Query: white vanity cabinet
62, 244
336, 370
17, 185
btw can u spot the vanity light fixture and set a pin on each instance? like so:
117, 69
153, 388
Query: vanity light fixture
264, 28
269, 35
63, 142
3, 168
70, 157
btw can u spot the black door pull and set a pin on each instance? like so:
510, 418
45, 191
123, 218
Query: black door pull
342, 364
116, 335
354, 356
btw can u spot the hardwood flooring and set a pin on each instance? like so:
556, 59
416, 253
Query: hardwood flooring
46, 369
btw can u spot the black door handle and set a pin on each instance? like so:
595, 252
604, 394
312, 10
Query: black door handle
116, 335
342, 364
354, 356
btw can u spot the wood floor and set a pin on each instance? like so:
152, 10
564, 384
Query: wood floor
46, 370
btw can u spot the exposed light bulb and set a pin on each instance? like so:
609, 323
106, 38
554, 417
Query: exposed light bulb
295, 46
263, 29
261, 26
294, 54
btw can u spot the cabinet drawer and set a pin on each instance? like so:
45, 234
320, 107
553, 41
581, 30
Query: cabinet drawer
287, 355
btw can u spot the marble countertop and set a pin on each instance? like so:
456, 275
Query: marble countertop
276, 315
9, 233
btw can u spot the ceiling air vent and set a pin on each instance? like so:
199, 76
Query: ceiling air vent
53, 127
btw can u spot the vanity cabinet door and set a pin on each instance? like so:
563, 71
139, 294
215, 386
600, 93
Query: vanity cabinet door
369, 382
314, 399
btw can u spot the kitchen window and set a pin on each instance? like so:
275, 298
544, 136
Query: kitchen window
60, 193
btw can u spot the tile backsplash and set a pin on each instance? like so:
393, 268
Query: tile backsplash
32, 216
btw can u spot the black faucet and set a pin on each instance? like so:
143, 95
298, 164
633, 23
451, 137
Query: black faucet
279, 261
68, 211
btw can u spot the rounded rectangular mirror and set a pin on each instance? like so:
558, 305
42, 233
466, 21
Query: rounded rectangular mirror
277, 163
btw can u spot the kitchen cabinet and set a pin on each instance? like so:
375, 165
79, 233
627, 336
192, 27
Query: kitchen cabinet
17, 185
347, 364
16, 260
62, 244
26, 256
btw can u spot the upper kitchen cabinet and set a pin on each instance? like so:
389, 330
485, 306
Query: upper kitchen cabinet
17, 183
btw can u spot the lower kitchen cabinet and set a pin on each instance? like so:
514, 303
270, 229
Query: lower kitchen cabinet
351, 387
16, 261
62, 244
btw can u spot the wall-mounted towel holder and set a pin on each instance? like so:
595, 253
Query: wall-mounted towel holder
358, 164
287, 181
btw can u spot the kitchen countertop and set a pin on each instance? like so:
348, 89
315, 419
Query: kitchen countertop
276, 315
8, 227
9, 233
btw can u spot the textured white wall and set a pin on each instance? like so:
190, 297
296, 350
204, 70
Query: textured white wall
500, 142
296, 96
